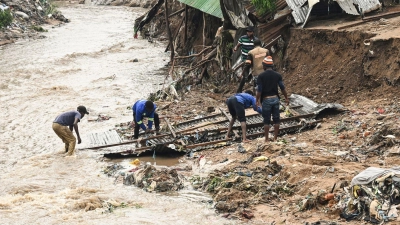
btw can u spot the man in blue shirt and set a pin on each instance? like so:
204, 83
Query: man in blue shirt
65, 123
236, 105
141, 109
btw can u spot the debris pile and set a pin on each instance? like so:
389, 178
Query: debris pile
241, 185
146, 177
27, 18
374, 196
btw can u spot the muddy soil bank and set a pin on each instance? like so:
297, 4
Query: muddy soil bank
344, 65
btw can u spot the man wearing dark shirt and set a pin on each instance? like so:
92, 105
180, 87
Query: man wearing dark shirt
65, 123
237, 105
267, 96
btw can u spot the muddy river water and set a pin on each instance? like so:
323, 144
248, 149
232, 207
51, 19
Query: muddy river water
85, 62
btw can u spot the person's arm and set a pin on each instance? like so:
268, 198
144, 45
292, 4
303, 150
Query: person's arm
249, 60
139, 121
150, 120
255, 106
258, 101
238, 45
77, 130
283, 89
258, 93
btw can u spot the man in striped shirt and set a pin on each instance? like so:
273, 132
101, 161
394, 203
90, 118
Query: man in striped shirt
246, 42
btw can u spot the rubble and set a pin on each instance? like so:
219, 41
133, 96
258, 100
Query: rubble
27, 18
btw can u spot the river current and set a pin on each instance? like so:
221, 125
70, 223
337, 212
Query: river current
89, 62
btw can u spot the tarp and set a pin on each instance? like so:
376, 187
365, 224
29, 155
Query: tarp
372, 173
211, 7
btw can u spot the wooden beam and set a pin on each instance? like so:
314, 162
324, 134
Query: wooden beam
223, 112
208, 143
177, 12
169, 32
186, 24
371, 18
175, 35
170, 127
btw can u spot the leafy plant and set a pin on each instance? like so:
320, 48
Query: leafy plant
5, 18
51, 8
264, 6
39, 29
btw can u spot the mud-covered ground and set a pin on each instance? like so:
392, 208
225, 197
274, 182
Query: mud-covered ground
357, 67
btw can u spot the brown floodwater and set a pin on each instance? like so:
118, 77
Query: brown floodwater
88, 61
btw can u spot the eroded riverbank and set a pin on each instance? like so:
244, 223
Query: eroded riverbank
87, 61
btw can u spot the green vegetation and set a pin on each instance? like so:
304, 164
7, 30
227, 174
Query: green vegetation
5, 18
264, 6
50, 8
39, 29
215, 182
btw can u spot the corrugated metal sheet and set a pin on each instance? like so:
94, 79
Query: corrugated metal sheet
348, 7
366, 6
308, 106
211, 7
268, 32
237, 13
300, 10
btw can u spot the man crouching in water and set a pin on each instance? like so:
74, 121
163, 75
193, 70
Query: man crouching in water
65, 123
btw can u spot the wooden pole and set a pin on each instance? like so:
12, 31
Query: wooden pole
176, 34
170, 127
169, 32
177, 12
186, 24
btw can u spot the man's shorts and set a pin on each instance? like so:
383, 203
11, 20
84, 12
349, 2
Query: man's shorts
270, 106
236, 108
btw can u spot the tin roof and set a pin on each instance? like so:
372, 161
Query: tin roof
211, 7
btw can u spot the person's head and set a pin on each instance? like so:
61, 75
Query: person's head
249, 92
257, 42
250, 31
268, 63
82, 110
149, 106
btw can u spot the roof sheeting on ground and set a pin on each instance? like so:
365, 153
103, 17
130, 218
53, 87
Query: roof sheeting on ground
308, 106
211, 7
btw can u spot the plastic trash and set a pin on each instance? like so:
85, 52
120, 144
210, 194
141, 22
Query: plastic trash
260, 158
135, 162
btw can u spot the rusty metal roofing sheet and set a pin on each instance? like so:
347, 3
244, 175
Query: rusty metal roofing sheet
267, 32
211, 7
